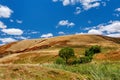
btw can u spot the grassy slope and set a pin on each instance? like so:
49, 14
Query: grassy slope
24, 72
75, 41
93, 71
90, 71
44, 56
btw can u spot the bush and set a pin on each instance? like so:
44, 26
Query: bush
66, 53
85, 59
92, 50
73, 61
59, 61
96, 49
89, 52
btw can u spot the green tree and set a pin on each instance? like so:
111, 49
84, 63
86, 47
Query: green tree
92, 50
66, 53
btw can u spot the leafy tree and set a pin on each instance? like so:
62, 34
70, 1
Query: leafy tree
93, 50
89, 54
66, 53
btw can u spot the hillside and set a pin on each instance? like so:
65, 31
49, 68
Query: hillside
35, 58
56, 42
46, 50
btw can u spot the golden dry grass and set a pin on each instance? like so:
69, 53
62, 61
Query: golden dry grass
27, 51
112, 56
29, 72
72, 40
23, 60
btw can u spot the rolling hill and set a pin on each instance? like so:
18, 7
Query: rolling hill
49, 47
34, 59
57, 42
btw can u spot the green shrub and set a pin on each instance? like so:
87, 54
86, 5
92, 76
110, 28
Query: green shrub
89, 52
93, 71
73, 61
96, 49
66, 53
92, 50
59, 61
85, 59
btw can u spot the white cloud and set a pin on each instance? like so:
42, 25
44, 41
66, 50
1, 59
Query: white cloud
7, 40
110, 29
93, 31
113, 27
2, 25
118, 9
61, 33
78, 10
11, 20
5, 12
71, 24
86, 4
66, 2
34, 32
21, 37
117, 12
66, 23
86, 28
63, 22
47, 35
114, 35
54, 0
19, 21
13, 31
79, 33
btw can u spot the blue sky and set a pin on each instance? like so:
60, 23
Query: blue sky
28, 19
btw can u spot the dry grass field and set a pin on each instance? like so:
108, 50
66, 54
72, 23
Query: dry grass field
24, 60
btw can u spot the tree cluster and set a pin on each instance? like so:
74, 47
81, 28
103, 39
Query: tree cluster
67, 55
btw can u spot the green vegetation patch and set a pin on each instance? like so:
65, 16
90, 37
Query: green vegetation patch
93, 71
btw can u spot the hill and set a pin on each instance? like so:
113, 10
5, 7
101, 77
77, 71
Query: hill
48, 48
34, 59
56, 42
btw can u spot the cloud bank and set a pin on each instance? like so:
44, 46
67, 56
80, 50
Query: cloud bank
111, 29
